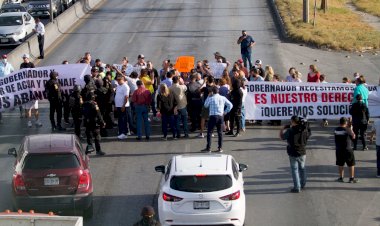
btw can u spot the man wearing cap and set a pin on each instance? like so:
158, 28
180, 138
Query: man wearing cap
246, 42
141, 99
147, 214
40, 30
5, 67
26, 62
140, 61
259, 66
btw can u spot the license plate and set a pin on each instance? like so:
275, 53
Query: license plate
4, 40
201, 205
51, 181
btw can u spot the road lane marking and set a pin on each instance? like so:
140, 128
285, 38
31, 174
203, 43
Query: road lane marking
132, 37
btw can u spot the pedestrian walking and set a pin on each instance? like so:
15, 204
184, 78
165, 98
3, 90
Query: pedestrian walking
40, 30
246, 43
92, 121
54, 94
122, 105
167, 106
218, 106
147, 214
75, 104
344, 153
179, 92
360, 117
141, 99
296, 134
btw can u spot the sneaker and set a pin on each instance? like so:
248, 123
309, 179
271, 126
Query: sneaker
219, 150
38, 124
353, 180
89, 149
147, 138
138, 138
365, 148
294, 190
237, 135
229, 133
164, 138
201, 135
206, 150
122, 136
60, 128
212, 135
340, 179
100, 153
175, 138
186, 136
156, 119
30, 124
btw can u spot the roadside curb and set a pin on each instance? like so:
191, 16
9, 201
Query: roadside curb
279, 23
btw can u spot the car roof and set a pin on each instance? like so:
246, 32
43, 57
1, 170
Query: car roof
12, 14
9, 5
210, 164
49, 143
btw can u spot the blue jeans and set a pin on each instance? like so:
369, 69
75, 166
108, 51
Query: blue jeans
247, 57
131, 127
181, 117
242, 117
168, 119
378, 159
122, 121
297, 165
153, 104
142, 114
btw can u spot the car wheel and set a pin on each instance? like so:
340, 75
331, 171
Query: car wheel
89, 212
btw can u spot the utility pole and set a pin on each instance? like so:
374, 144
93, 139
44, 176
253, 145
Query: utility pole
324, 5
51, 11
306, 11
315, 12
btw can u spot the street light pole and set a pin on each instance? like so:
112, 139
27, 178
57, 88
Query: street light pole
306, 11
51, 11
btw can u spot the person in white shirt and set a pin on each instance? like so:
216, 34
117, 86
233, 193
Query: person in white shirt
40, 30
5, 67
121, 104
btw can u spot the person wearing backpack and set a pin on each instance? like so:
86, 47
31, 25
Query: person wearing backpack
360, 117
296, 134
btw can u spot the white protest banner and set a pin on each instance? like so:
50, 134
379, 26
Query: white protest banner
217, 69
28, 84
279, 100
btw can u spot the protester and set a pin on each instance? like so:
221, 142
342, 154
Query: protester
141, 99
246, 43
26, 62
259, 66
269, 73
360, 89
376, 131
40, 30
313, 75
53, 91
141, 61
297, 77
344, 152
255, 76
122, 106
179, 92
322, 79
93, 121
224, 90
240, 63
296, 134
235, 114
218, 107
147, 214
291, 76
87, 59
5, 67
152, 72
148, 80
32, 107
245, 93
205, 112
168, 81
345, 80
194, 102
167, 106
360, 117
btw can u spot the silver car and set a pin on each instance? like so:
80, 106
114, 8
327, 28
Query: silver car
15, 28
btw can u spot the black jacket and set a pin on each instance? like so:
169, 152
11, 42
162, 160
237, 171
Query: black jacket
166, 104
360, 113
53, 90
297, 137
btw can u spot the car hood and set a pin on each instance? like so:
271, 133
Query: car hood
9, 29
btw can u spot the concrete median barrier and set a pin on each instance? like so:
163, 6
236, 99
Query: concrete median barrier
53, 31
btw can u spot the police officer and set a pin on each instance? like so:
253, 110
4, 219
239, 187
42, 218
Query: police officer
107, 83
100, 98
88, 88
93, 120
147, 214
75, 103
54, 94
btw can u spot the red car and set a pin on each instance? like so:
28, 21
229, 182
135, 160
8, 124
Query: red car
52, 174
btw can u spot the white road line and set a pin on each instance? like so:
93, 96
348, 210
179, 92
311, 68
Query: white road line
131, 38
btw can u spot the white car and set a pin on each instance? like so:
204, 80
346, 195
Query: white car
15, 27
202, 189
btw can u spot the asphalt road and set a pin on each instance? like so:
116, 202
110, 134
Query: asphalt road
125, 180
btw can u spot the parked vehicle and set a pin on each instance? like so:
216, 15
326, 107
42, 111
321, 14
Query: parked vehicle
12, 2
41, 8
12, 8
52, 174
202, 189
15, 28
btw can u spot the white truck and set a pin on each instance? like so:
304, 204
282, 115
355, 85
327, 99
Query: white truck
32, 219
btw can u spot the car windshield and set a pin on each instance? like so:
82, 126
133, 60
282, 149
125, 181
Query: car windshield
202, 183
9, 10
10, 20
51, 161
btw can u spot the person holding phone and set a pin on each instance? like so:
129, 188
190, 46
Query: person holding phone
246, 42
